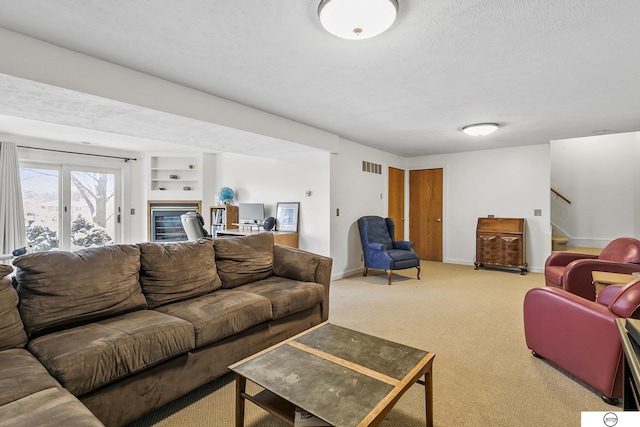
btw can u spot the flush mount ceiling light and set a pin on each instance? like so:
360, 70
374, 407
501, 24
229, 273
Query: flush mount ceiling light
357, 19
480, 129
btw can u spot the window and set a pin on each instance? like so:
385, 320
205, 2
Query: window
70, 207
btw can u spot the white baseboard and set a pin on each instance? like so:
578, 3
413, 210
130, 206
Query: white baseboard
359, 271
587, 242
347, 273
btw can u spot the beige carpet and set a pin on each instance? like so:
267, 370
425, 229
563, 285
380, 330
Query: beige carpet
484, 375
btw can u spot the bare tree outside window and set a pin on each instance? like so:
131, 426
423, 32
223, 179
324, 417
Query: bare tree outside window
91, 205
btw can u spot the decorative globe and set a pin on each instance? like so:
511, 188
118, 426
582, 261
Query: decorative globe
226, 195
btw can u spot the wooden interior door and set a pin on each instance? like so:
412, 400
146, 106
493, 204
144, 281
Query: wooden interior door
425, 213
396, 201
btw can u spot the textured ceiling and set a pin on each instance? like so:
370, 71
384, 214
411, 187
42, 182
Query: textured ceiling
543, 70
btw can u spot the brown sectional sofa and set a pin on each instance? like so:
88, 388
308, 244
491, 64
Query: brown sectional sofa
104, 335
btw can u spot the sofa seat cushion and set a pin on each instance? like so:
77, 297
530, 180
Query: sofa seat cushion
171, 272
12, 332
50, 407
553, 273
287, 296
242, 260
221, 314
402, 255
89, 356
21, 374
64, 289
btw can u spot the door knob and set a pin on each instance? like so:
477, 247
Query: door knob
439, 220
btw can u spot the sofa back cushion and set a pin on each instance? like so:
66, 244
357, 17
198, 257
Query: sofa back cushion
376, 231
12, 332
172, 272
303, 267
241, 260
63, 289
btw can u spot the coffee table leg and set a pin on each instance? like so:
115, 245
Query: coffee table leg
428, 395
241, 384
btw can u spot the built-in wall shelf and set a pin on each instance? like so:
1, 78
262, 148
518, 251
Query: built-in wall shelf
175, 176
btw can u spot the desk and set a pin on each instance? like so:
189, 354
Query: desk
601, 279
285, 238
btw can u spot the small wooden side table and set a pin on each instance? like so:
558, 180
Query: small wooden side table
602, 279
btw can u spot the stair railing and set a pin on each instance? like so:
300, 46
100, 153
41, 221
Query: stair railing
561, 196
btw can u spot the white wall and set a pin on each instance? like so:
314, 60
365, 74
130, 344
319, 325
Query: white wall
515, 182
508, 183
356, 193
269, 181
599, 175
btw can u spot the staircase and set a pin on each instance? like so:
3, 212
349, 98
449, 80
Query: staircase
559, 243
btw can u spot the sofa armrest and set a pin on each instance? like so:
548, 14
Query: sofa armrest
322, 275
375, 247
578, 279
403, 244
576, 334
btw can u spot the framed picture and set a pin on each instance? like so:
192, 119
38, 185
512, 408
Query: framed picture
287, 216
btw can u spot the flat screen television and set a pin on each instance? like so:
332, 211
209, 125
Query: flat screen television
251, 213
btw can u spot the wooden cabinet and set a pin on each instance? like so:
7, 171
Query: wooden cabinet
501, 243
222, 218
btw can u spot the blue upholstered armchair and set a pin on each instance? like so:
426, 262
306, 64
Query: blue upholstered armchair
381, 251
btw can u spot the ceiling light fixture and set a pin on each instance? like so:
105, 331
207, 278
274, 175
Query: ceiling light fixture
357, 19
480, 129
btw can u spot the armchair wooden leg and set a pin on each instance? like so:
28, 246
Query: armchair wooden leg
366, 270
418, 267
389, 276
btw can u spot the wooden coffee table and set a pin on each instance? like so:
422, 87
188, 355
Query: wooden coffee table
344, 377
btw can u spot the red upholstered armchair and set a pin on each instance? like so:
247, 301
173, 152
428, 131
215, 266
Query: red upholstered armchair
572, 271
580, 336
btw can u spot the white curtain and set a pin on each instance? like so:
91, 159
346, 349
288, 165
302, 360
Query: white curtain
12, 230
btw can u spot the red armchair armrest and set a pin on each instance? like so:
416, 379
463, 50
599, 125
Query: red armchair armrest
578, 279
564, 258
606, 295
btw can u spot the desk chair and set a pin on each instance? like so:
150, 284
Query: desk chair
193, 225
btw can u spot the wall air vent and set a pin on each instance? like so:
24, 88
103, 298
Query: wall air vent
371, 167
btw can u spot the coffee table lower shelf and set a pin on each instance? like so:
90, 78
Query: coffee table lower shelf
270, 402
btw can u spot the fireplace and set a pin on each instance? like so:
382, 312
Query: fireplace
164, 219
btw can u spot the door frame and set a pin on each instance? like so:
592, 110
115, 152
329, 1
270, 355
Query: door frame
400, 232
